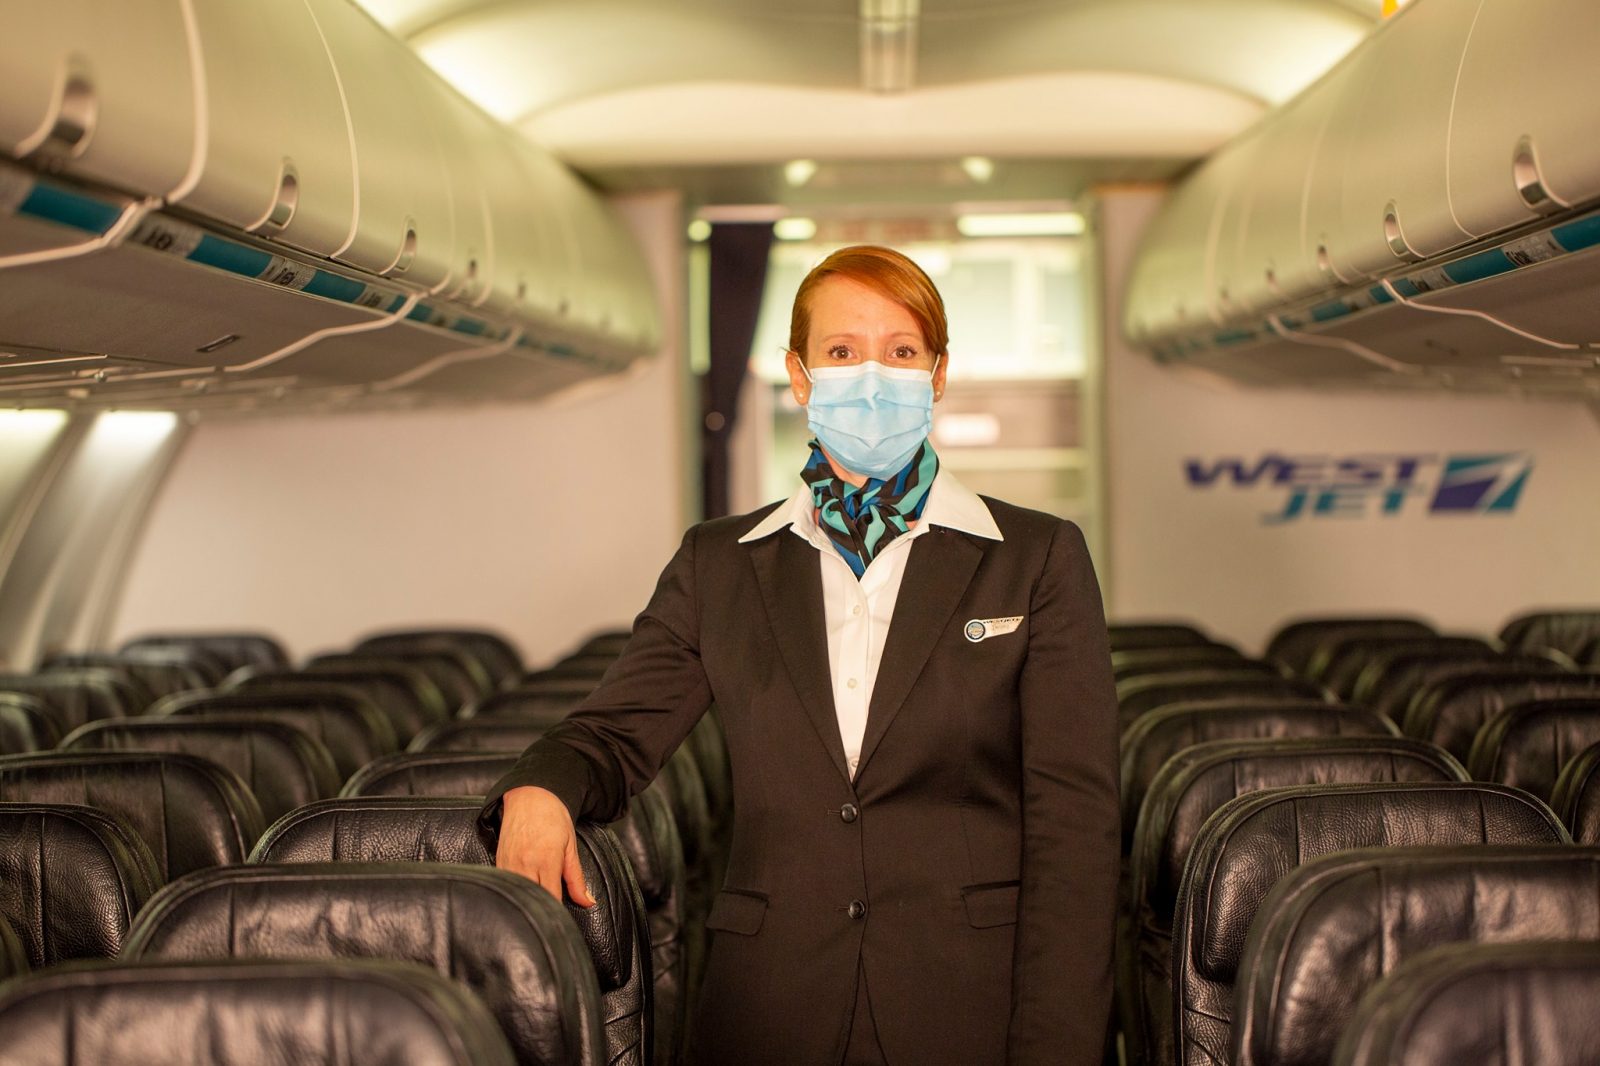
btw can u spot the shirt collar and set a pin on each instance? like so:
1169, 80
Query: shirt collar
950, 504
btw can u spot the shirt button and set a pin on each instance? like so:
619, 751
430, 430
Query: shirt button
856, 609
857, 909
851, 683
849, 812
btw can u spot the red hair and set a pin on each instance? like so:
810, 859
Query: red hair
886, 272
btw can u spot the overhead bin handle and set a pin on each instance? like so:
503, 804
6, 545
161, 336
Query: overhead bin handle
1529, 179
73, 116
283, 206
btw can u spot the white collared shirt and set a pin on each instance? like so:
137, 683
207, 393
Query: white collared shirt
857, 613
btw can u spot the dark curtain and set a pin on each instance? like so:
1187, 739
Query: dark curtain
738, 277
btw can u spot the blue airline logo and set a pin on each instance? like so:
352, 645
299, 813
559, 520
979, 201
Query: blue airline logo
1385, 484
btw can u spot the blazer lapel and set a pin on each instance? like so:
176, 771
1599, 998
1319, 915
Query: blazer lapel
941, 566
791, 587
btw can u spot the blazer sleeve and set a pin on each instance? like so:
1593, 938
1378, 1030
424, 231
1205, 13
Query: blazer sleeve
1062, 961
614, 742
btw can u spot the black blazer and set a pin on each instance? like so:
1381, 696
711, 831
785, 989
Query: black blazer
974, 879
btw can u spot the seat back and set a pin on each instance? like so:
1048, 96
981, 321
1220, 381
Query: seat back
71, 880
1391, 682
190, 812
478, 734
523, 703
499, 657
1332, 928
1126, 636
1140, 695
1528, 744
496, 931
1155, 737
73, 696
282, 766
235, 650
1563, 631
1451, 712
404, 693
223, 1013
462, 654
13, 956
208, 668
455, 673
26, 724
348, 724
159, 678
1339, 667
431, 773
1186, 792
1254, 840
1138, 661
1298, 642
1576, 796
649, 838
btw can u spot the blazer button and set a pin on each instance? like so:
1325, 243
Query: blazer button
849, 812
857, 909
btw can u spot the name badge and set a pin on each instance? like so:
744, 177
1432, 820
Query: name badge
983, 628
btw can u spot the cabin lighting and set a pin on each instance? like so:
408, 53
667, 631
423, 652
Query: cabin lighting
794, 229
799, 171
699, 230
1039, 224
979, 168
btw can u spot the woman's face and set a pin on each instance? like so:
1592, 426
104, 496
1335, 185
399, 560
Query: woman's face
850, 324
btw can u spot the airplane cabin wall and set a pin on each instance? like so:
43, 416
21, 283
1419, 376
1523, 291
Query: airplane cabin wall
546, 521
1211, 553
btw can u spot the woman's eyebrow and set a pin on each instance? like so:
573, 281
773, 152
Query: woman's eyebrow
854, 336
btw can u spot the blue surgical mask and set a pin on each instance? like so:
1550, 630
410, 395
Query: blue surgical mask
870, 417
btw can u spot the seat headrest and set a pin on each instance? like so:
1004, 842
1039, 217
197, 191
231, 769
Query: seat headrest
283, 766
1331, 929
478, 734
1155, 737
1577, 795
498, 654
13, 955
1452, 710
71, 879
349, 724
531, 705
1140, 695
1565, 631
26, 724
1344, 662
190, 812
431, 773
324, 1013
497, 931
1259, 837
234, 649
1295, 643
1528, 744
1481, 1003
406, 695
76, 695
1197, 781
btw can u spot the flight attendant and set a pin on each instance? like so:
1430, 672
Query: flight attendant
917, 695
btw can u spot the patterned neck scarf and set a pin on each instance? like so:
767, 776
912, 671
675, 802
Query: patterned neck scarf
860, 522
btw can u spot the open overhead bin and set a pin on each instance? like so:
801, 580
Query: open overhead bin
1426, 214
231, 199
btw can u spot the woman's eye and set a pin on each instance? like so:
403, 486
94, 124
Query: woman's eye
905, 352
839, 351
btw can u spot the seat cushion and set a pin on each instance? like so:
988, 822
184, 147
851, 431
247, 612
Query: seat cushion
223, 1013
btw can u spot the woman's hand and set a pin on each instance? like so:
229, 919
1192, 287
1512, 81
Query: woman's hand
537, 841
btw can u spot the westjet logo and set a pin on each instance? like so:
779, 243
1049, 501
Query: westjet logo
1350, 486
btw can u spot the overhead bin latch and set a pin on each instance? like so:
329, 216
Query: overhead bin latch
1530, 180
283, 206
72, 122
1396, 236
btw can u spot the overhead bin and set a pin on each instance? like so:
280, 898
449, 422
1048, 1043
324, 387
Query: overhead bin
1363, 233
105, 89
353, 228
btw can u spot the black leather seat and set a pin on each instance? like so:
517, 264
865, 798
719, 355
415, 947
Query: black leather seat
609, 642
283, 766
26, 724
545, 704
1589, 656
13, 956
404, 693
478, 734
429, 649
649, 838
1155, 737
1564, 631
210, 668
234, 650
1126, 636
1528, 744
1140, 695
1481, 1003
224, 1013
348, 724
159, 678
430, 773
1297, 643
1254, 840
555, 682
190, 812
71, 880
495, 931
1577, 795
1140, 661
447, 668
1391, 679
1190, 787
1451, 712
77, 695
435, 829
499, 657
582, 664
1331, 929
1340, 666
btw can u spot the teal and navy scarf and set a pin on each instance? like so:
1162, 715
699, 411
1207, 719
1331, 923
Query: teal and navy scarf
861, 522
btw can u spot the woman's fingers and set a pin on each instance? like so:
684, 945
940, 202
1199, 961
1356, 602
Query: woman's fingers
537, 841
572, 872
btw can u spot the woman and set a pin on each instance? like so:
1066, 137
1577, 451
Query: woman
916, 690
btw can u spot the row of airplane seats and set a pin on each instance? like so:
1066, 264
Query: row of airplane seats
227, 810
1371, 826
